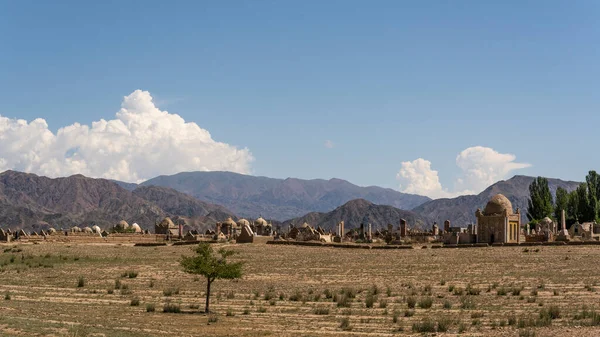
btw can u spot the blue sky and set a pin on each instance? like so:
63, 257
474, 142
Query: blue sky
385, 82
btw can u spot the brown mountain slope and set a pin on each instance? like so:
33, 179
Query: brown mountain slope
278, 199
461, 210
358, 211
175, 203
28, 199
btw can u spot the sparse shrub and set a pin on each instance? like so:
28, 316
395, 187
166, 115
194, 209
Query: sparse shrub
472, 290
467, 303
458, 291
269, 295
349, 292
369, 300
425, 302
327, 293
171, 308
80, 282
534, 292
444, 324
382, 304
229, 312
7, 296
374, 290
395, 317
443, 282
230, 295
462, 327
342, 300
512, 320
135, 302
409, 313
411, 302
194, 306
125, 290
477, 315
388, 292
426, 325
150, 307
501, 291
117, 284
321, 311
447, 305
262, 309
272, 302
526, 333
345, 324
212, 318
516, 291
246, 311
170, 292
427, 289
531, 300
132, 274
110, 291
450, 288
151, 285
556, 292
296, 296
553, 311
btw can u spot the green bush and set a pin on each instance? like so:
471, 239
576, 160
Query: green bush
150, 307
426, 325
425, 302
369, 300
135, 302
411, 302
80, 282
171, 308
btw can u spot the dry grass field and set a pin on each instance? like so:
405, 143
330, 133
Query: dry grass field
61, 289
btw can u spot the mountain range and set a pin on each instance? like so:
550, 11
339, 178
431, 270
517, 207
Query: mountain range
277, 199
358, 211
199, 199
33, 202
461, 210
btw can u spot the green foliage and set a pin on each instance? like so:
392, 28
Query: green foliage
212, 266
171, 308
586, 206
80, 282
135, 302
150, 307
540, 204
561, 203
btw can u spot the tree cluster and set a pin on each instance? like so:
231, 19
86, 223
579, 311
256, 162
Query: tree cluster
580, 205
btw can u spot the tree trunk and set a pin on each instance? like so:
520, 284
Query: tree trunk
208, 282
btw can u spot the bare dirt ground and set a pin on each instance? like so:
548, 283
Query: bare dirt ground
300, 291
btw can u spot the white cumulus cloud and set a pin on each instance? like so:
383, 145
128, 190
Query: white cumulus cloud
329, 144
480, 167
140, 143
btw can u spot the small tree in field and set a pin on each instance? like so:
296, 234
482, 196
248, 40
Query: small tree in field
212, 266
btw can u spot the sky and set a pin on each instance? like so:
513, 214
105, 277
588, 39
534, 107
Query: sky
439, 98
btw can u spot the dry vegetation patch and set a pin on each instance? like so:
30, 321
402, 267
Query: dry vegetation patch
62, 289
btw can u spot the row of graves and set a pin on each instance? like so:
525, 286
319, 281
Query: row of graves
242, 231
165, 230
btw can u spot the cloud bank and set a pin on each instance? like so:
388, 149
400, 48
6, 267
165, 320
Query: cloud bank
141, 143
480, 167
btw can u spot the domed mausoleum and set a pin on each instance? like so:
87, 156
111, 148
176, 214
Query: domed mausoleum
498, 223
